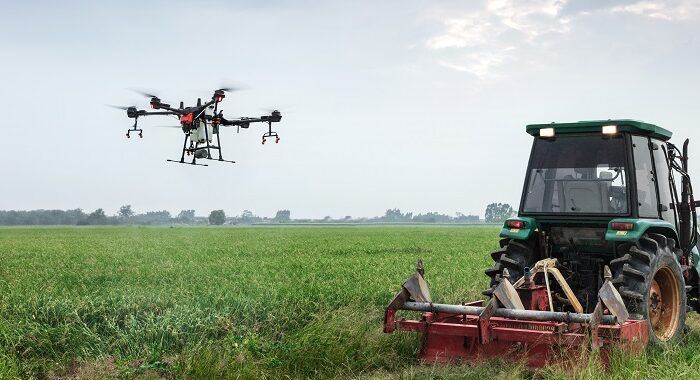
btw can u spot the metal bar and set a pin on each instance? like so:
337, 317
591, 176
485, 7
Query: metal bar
549, 292
506, 334
530, 315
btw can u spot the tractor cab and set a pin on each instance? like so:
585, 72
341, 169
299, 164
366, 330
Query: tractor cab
598, 170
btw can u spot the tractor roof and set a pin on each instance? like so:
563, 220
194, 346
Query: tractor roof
623, 125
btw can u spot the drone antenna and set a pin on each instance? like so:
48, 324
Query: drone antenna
182, 105
199, 102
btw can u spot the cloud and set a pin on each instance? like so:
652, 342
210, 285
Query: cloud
481, 64
668, 10
486, 39
469, 31
482, 42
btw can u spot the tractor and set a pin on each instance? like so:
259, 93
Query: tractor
603, 252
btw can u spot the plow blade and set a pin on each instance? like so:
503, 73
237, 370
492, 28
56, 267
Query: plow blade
474, 331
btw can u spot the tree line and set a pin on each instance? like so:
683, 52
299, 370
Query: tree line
495, 213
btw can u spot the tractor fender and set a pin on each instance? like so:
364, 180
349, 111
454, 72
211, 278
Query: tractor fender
523, 233
641, 227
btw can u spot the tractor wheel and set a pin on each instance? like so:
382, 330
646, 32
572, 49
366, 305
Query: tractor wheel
650, 280
514, 255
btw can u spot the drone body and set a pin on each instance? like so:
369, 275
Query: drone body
201, 125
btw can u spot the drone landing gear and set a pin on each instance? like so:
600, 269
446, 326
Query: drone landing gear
218, 142
265, 136
128, 136
134, 129
191, 150
270, 134
187, 163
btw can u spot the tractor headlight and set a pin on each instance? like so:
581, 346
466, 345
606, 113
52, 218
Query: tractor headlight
547, 132
609, 129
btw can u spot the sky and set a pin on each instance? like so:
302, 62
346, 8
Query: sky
417, 105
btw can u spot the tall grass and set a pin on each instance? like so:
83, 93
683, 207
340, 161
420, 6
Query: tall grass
300, 302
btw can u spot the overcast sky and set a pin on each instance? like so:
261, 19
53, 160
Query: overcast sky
419, 105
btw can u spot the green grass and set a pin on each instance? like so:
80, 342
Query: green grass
297, 302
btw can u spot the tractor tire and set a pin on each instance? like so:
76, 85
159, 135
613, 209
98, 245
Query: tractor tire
514, 255
650, 280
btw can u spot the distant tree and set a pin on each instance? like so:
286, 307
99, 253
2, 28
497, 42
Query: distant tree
461, 218
498, 212
152, 217
395, 215
247, 217
282, 216
96, 217
217, 217
125, 212
186, 216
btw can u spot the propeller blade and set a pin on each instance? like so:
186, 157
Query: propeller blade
231, 86
148, 94
165, 126
119, 107
282, 109
231, 89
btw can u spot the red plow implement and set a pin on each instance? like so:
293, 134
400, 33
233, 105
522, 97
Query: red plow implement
508, 327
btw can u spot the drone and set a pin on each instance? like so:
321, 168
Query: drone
200, 125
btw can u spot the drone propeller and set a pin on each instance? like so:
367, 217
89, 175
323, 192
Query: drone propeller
284, 109
124, 108
131, 111
231, 89
148, 94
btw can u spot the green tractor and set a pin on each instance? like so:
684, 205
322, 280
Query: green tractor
606, 230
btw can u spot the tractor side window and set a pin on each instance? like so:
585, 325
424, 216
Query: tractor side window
644, 172
661, 166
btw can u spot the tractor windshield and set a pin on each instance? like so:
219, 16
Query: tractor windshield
574, 174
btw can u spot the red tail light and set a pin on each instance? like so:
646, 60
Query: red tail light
515, 224
622, 226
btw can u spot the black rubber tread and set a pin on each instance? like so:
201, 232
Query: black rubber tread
633, 272
629, 271
513, 255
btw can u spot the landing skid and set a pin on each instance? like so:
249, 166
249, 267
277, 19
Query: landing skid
221, 160
187, 163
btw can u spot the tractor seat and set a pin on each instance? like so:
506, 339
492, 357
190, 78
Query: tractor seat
586, 196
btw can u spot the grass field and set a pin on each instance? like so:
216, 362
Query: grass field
297, 302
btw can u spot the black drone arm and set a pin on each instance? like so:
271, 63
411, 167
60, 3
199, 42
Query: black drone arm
241, 122
146, 113
168, 110
244, 122
133, 113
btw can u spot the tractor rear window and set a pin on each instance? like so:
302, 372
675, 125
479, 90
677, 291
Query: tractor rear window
577, 174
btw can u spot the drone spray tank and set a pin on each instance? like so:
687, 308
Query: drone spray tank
203, 131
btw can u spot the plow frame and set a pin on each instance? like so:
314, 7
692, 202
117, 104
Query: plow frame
503, 327
449, 337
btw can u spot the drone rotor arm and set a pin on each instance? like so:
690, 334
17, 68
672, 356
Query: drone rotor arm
158, 113
241, 122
